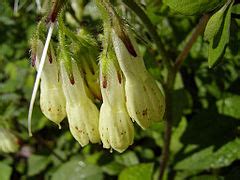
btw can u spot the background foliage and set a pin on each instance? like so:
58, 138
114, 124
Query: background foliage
205, 141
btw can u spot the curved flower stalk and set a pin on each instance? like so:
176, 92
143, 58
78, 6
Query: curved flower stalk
82, 113
52, 100
115, 126
145, 102
9, 142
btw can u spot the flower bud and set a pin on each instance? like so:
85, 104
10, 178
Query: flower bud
9, 142
82, 113
52, 100
86, 55
91, 75
145, 102
115, 126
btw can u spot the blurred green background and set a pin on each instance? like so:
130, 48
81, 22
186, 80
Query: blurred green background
206, 106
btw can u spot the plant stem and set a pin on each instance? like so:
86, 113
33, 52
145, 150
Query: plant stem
172, 71
169, 90
151, 29
167, 133
198, 30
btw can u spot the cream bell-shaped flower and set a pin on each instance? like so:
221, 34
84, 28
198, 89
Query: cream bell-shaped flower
52, 100
115, 126
145, 102
82, 113
9, 142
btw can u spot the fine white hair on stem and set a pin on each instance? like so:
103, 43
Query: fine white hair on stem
39, 73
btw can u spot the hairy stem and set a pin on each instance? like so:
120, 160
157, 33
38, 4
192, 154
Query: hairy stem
198, 30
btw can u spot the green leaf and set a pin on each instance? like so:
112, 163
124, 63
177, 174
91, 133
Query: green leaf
75, 169
137, 172
176, 144
181, 99
220, 39
190, 7
128, 158
211, 158
214, 24
5, 171
229, 106
113, 168
208, 128
36, 164
236, 9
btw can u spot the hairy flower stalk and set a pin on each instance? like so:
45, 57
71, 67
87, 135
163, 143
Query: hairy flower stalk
82, 113
52, 100
115, 126
145, 102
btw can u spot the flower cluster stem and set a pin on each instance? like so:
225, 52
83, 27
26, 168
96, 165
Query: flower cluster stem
198, 30
173, 69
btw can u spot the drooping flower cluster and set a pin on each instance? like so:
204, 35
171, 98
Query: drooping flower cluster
72, 83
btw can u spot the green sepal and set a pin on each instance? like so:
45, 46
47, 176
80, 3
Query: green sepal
39, 34
64, 54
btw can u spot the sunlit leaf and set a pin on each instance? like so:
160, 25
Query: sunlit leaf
229, 106
189, 7
5, 171
220, 39
137, 172
211, 157
37, 163
75, 169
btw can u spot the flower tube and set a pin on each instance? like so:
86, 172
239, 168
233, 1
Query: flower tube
52, 100
115, 126
82, 113
144, 100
